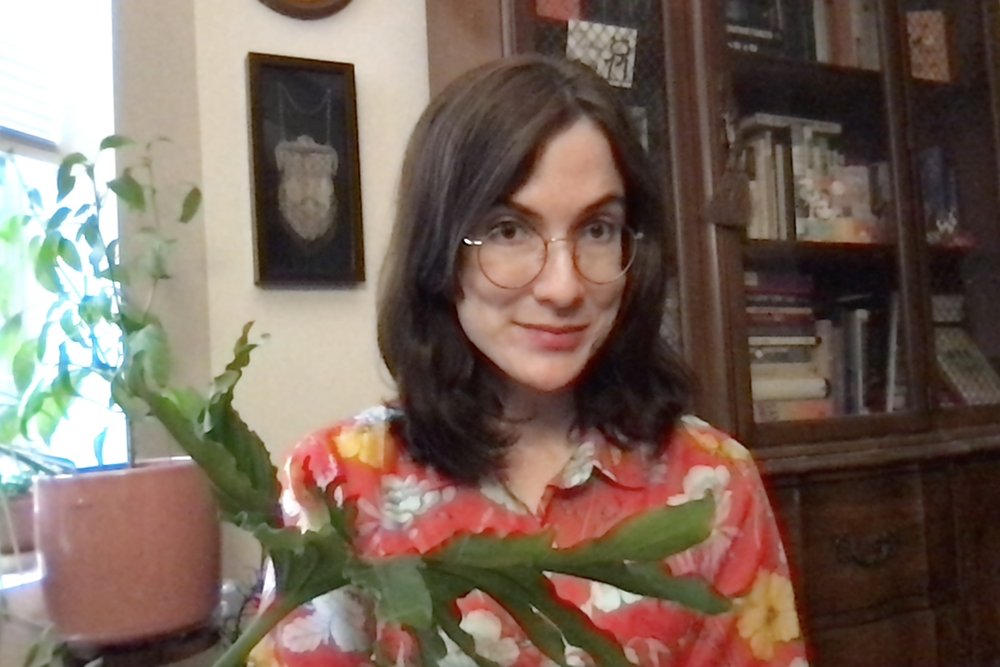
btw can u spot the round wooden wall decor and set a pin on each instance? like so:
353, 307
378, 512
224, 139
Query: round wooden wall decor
306, 9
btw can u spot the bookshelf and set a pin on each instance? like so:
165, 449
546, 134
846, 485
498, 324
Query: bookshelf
877, 418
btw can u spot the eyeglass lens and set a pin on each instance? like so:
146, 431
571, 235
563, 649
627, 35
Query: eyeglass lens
513, 258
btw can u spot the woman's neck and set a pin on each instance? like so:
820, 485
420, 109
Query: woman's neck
542, 445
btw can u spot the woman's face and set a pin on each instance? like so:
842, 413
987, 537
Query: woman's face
542, 335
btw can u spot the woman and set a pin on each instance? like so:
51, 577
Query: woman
520, 315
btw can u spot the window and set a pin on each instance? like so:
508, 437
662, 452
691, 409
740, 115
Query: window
56, 97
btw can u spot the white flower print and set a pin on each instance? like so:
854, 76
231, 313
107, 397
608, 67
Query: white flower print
496, 492
336, 618
580, 465
376, 415
698, 481
405, 498
606, 597
486, 631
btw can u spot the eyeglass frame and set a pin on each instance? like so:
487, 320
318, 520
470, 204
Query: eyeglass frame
478, 244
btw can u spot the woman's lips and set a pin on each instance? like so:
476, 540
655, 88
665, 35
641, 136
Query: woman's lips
555, 338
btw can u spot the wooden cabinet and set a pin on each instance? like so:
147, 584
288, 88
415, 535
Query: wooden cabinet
868, 151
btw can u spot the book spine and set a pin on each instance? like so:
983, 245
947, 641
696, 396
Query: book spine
778, 388
792, 409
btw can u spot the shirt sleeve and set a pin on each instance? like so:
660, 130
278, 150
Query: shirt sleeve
744, 559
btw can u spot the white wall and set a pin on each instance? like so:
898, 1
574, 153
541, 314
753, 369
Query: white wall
181, 72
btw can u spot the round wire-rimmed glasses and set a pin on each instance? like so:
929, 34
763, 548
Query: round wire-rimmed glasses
512, 255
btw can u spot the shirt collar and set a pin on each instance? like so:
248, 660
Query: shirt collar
596, 454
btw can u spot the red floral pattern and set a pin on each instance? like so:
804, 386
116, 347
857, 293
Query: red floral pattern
407, 508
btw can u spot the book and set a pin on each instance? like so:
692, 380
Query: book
791, 387
964, 368
792, 409
948, 308
893, 376
785, 341
756, 26
856, 343
778, 354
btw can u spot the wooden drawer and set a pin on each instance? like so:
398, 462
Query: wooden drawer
863, 541
907, 640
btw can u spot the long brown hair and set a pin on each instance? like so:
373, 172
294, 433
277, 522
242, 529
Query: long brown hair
474, 146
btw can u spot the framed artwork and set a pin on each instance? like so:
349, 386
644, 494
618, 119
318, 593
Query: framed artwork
306, 177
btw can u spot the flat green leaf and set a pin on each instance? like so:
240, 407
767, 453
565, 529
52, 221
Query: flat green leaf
57, 218
115, 141
400, 591
99, 446
191, 204
651, 580
651, 536
148, 346
129, 190
495, 552
69, 254
23, 365
46, 265
65, 180
10, 335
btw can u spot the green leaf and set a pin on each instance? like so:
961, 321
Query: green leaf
23, 365
192, 202
495, 552
99, 446
651, 536
115, 141
57, 219
148, 346
129, 190
65, 180
400, 591
650, 580
46, 264
69, 254
10, 335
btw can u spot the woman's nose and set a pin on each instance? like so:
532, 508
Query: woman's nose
559, 282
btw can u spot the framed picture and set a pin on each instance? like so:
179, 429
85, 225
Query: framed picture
306, 176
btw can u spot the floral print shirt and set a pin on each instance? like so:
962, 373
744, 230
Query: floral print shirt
408, 508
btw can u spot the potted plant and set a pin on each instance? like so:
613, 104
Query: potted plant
131, 552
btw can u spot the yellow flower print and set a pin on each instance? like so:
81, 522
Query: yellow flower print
712, 441
767, 615
366, 443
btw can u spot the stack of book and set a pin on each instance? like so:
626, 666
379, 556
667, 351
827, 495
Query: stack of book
802, 187
786, 379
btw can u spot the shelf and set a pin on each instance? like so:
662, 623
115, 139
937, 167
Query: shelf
809, 89
767, 252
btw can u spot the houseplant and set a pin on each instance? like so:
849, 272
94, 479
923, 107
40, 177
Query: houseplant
93, 528
415, 591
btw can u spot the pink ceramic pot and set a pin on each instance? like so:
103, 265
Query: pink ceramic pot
128, 554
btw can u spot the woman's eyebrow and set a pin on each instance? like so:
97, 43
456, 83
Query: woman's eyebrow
607, 201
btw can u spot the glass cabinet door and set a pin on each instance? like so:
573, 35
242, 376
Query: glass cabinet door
822, 267
952, 97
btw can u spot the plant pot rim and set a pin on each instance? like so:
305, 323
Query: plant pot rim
144, 467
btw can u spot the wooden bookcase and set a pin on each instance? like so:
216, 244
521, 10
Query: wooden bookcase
885, 494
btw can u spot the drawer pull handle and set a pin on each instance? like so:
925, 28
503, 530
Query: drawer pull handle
870, 552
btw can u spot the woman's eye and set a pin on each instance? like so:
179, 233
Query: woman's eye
600, 230
507, 231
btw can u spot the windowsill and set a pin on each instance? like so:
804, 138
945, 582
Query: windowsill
17, 571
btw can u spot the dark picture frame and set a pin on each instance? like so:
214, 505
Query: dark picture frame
306, 174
